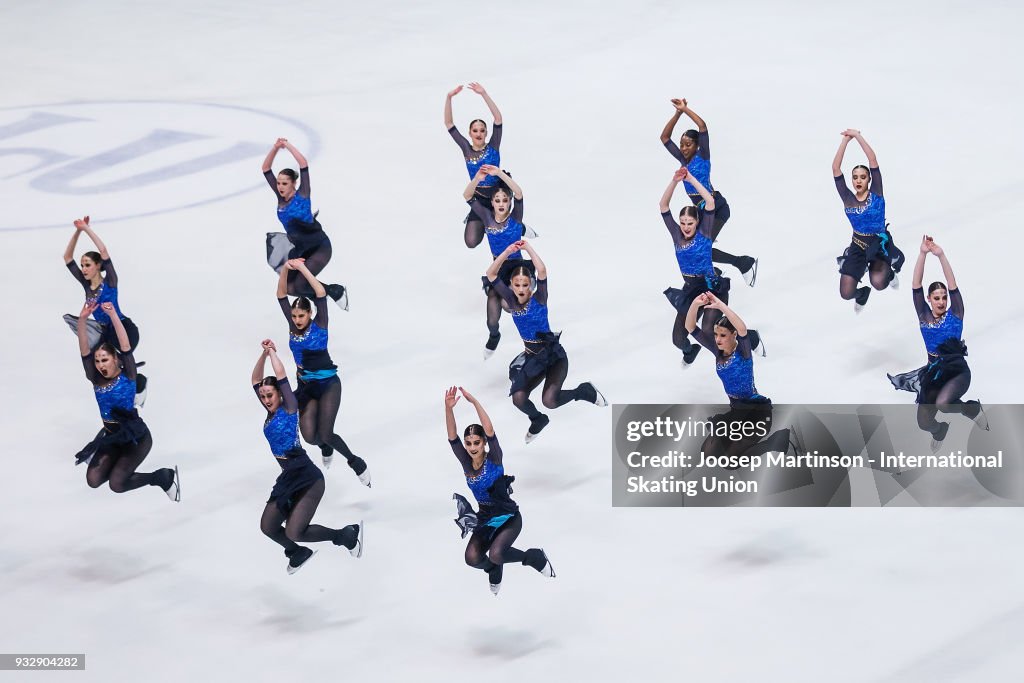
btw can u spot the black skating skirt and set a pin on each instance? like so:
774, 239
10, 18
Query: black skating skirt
118, 437
281, 247
864, 249
529, 365
298, 473
927, 380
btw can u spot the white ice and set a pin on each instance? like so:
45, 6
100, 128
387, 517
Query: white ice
149, 590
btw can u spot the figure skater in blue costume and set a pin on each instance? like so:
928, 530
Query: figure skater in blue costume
304, 236
503, 225
300, 486
871, 249
125, 440
694, 154
498, 522
319, 387
477, 151
544, 359
692, 237
729, 342
942, 382
99, 280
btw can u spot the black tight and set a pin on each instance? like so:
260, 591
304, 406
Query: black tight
119, 468
297, 524
316, 261
945, 398
879, 274
316, 420
484, 554
553, 396
474, 231
493, 310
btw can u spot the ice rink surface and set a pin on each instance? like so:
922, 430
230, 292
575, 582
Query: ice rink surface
154, 118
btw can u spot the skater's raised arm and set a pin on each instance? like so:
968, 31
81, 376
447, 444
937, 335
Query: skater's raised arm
709, 199
666, 132
470, 190
731, 315
837, 161
83, 226
922, 256
261, 364
83, 335
542, 271
299, 159
666, 196
288, 399
69, 251
870, 153
947, 270
517, 191
449, 120
299, 265
683, 107
451, 397
268, 162
485, 420
495, 112
495, 267
119, 331
691, 315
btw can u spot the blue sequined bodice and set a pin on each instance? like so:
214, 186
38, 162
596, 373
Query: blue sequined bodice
694, 256
102, 295
488, 155
870, 218
118, 394
282, 431
940, 330
700, 168
531, 320
298, 208
737, 375
313, 338
481, 481
500, 237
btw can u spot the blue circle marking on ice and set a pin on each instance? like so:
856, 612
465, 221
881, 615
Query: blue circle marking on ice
122, 159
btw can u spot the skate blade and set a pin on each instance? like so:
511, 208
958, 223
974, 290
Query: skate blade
328, 461
292, 570
857, 308
495, 587
357, 550
488, 353
531, 437
600, 401
174, 492
894, 283
364, 478
750, 277
549, 569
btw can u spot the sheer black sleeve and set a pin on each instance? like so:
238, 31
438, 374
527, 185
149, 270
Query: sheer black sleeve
459, 139
272, 181
89, 365
673, 228
128, 366
286, 309
541, 295
494, 453
844, 192
743, 347
304, 182
321, 318
517, 210
673, 149
109, 274
956, 303
704, 145
704, 340
707, 224
924, 312
876, 181
288, 400
495, 141
504, 292
76, 273
460, 452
